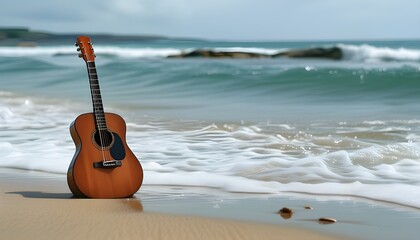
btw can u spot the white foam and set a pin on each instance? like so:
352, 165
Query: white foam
35, 51
404, 194
122, 52
5, 113
235, 158
368, 53
137, 52
34, 135
250, 50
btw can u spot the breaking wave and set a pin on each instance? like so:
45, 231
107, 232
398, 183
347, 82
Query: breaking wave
354, 53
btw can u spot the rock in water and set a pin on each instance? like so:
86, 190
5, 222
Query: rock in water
329, 53
219, 54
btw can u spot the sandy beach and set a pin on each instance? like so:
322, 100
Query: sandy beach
40, 206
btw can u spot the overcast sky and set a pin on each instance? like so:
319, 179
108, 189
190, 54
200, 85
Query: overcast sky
222, 19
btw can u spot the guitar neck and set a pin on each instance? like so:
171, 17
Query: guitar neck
98, 108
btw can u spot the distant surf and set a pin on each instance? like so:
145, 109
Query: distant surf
355, 53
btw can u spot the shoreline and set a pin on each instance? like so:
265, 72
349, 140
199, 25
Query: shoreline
40, 206
37, 204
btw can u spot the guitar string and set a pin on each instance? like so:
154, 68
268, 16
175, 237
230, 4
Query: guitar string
100, 115
91, 79
105, 134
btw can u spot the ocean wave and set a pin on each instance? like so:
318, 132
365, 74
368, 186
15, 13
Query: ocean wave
368, 53
35, 51
121, 52
354, 53
99, 50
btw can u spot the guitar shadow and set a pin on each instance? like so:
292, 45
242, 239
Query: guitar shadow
43, 195
133, 203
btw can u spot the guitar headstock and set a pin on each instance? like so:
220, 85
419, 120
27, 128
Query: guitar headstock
85, 47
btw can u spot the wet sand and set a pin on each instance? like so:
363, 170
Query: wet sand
40, 206
37, 205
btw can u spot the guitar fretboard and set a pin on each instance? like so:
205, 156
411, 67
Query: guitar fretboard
98, 108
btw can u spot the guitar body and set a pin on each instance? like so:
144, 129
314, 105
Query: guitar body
119, 176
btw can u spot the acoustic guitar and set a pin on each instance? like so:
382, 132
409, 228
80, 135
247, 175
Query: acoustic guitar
103, 165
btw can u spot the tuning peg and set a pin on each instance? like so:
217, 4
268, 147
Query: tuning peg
80, 55
76, 44
78, 49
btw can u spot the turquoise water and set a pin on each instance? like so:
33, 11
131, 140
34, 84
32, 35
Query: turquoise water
371, 82
335, 127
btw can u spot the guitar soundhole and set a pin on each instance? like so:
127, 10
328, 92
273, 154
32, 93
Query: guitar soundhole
103, 138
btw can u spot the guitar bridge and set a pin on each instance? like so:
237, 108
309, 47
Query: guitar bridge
107, 164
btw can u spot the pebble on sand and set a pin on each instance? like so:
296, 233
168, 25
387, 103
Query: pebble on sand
325, 220
286, 213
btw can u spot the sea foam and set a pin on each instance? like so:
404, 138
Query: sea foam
368, 53
123, 52
252, 158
